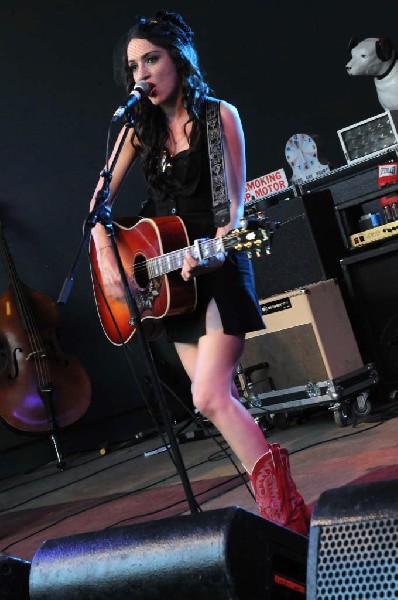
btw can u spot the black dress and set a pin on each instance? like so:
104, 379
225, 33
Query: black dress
184, 189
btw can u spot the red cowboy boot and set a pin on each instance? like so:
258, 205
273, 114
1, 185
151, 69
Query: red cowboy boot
304, 513
276, 493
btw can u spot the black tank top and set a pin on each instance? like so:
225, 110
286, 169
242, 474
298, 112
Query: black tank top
183, 188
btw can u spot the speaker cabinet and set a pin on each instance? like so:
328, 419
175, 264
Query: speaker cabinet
372, 281
219, 554
14, 578
308, 337
351, 181
352, 550
306, 247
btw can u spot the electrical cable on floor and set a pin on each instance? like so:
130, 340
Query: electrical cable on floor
194, 416
336, 438
160, 510
199, 420
117, 497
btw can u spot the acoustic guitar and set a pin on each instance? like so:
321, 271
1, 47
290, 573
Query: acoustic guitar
152, 252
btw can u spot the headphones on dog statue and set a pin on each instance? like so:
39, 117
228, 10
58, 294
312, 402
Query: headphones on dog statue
376, 57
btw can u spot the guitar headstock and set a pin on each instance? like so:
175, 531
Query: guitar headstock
254, 234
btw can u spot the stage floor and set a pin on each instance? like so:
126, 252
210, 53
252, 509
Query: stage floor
138, 481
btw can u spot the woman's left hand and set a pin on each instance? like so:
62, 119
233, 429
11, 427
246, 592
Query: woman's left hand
192, 267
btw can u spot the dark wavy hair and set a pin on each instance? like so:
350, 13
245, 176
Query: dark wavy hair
167, 30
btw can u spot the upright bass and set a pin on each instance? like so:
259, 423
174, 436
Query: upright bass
41, 388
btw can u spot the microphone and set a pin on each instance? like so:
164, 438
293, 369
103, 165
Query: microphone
142, 89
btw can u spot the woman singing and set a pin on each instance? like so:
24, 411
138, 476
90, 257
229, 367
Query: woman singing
169, 138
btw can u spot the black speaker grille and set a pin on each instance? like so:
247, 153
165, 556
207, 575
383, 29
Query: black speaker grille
372, 283
358, 560
305, 249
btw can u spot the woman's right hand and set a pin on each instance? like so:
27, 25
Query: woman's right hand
109, 270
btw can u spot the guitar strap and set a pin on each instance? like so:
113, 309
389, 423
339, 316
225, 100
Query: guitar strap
221, 201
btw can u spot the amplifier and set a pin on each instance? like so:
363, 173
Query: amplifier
376, 234
357, 217
355, 179
306, 248
372, 284
308, 337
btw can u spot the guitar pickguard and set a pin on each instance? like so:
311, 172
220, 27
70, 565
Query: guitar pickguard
146, 297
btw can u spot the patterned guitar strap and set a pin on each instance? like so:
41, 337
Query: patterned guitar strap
219, 190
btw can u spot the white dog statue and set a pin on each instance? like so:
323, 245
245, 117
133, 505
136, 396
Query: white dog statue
376, 57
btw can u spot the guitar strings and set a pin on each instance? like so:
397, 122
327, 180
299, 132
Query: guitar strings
173, 260
37, 353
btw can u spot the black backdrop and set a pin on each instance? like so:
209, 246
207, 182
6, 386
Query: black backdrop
282, 64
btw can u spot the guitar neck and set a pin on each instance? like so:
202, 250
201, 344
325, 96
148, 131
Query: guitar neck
173, 261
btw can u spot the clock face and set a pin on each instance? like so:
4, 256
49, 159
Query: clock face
301, 153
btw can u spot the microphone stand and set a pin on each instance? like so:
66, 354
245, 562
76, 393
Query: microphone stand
101, 213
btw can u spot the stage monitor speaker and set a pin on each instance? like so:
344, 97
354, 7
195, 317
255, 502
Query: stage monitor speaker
306, 247
14, 578
308, 337
372, 281
352, 550
226, 553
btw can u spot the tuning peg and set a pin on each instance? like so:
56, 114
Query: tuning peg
249, 254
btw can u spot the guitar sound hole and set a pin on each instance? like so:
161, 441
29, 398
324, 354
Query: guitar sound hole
141, 272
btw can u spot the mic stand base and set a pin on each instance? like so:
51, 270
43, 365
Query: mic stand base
60, 461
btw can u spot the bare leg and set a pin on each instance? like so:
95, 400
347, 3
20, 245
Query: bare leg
211, 366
